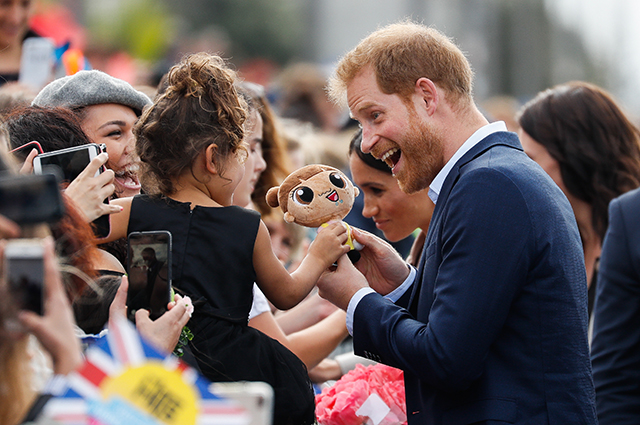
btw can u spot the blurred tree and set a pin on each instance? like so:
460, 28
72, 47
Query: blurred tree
142, 28
271, 29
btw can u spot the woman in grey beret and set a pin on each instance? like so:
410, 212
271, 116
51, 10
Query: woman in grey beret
107, 108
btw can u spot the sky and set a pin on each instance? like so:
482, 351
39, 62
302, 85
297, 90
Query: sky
610, 30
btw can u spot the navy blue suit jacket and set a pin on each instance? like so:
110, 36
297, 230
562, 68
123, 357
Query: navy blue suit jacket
495, 330
615, 350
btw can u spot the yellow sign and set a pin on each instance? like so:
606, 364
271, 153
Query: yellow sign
156, 390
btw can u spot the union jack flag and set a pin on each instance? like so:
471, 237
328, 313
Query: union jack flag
84, 402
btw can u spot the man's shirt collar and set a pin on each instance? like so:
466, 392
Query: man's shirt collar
436, 185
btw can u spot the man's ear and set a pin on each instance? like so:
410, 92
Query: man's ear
428, 92
210, 158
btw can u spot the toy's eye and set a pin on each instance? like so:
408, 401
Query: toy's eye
303, 195
337, 180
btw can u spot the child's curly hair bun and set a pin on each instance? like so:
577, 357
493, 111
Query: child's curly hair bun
197, 105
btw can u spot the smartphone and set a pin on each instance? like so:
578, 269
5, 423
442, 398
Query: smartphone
67, 164
29, 199
149, 272
37, 62
23, 151
24, 273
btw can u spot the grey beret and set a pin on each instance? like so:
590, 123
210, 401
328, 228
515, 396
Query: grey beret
86, 88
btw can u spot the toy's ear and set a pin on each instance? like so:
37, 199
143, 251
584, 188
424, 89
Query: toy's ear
289, 218
356, 191
272, 197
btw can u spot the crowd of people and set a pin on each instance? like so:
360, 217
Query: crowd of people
500, 267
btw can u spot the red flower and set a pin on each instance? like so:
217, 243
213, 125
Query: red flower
338, 404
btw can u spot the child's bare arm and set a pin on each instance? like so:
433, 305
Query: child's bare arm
285, 290
119, 222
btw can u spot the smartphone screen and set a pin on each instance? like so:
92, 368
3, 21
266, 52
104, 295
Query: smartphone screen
24, 269
68, 163
149, 271
28, 199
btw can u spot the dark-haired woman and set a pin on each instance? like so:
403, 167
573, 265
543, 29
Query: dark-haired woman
584, 141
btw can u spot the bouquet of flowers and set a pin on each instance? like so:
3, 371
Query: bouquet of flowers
372, 395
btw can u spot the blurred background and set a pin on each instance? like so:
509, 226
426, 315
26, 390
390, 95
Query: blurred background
516, 47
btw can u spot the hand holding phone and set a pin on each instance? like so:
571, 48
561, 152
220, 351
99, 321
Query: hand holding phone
70, 164
89, 191
67, 163
164, 332
55, 330
29, 199
149, 271
27, 153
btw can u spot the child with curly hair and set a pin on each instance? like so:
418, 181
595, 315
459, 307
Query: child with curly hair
190, 142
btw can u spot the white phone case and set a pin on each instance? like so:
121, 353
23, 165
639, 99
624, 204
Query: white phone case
92, 149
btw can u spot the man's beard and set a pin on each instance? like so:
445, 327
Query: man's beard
422, 150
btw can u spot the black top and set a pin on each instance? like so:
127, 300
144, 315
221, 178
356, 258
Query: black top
212, 251
213, 264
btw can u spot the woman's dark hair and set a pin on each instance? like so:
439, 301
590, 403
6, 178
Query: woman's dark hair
75, 246
596, 145
367, 158
91, 310
55, 128
197, 105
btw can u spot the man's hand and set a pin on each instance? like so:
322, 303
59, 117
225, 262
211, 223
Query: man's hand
339, 285
380, 263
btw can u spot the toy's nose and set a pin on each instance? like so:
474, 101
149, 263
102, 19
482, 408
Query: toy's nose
333, 196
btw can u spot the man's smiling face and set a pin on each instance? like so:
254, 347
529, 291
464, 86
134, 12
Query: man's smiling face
396, 131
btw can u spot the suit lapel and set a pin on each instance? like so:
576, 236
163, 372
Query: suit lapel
494, 139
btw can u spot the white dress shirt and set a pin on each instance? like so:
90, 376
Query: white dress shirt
434, 190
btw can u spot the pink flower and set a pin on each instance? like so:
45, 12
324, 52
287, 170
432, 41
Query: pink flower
188, 304
338, 404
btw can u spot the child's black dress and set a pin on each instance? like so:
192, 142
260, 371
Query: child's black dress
213, 264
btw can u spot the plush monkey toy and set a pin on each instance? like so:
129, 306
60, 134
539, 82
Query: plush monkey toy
313, 195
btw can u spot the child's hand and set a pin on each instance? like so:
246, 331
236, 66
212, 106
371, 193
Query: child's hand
329, 244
